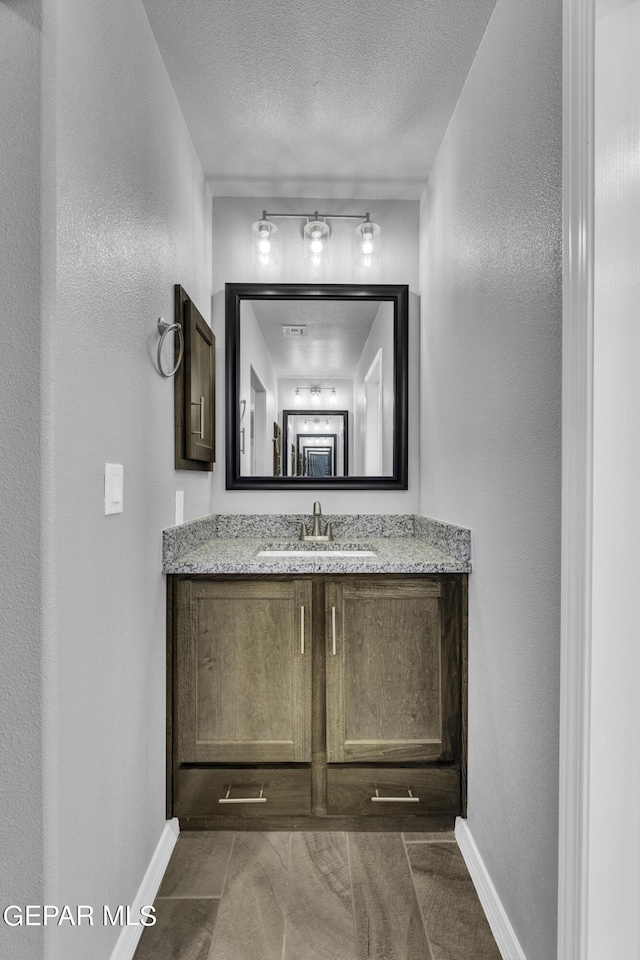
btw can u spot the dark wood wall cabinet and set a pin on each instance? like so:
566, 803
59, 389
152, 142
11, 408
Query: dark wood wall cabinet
194, 389
317, 701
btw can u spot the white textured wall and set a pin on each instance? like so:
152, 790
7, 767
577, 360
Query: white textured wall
256, 357
490, 435
128, 215
380, 339
232, 263
614, 789
20, 652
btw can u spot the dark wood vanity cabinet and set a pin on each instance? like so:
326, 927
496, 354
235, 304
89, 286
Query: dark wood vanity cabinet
317, 700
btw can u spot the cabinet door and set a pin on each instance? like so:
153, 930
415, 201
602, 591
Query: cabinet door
199, 386
194, 389
393, 679
243, 671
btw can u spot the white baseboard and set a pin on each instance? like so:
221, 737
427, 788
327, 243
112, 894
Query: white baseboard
501, 928
128, 939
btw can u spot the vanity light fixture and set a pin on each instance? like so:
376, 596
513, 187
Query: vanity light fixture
315, 234
367, 243
263, 242
316, 395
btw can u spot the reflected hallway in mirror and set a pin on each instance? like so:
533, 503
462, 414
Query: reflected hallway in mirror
322, 370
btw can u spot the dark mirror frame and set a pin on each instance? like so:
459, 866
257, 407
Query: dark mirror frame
398, 294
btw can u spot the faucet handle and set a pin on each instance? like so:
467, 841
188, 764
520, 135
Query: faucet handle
303, 530
328, 531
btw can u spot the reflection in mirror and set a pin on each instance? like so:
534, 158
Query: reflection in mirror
316, 370
307, 429
313, 352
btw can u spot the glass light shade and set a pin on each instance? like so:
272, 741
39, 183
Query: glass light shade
264, 243
315, 234
367, 244
297, 397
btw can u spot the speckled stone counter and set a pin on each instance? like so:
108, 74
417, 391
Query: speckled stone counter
230, 543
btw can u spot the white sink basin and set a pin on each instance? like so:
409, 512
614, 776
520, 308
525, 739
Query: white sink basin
318, 552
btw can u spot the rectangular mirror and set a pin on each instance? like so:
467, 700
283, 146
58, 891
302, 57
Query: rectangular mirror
316, 378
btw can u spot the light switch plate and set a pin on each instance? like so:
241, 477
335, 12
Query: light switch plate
178, 514
113, 487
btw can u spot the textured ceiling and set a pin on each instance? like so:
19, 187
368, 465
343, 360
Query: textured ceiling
336, 333
307, 98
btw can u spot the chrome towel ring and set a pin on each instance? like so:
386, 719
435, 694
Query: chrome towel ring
164, 328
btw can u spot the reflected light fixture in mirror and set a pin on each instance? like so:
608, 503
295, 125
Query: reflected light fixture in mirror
316, 423
315, 391
315, 234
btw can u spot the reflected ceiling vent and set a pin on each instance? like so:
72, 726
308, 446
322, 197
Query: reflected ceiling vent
289, 331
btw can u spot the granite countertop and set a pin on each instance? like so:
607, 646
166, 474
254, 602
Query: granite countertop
401, 544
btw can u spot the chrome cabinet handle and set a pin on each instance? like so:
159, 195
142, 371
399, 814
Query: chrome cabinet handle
333, 631
229, 799
302, 630
199, 403
409, 799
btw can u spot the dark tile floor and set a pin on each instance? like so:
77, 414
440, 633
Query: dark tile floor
317, 896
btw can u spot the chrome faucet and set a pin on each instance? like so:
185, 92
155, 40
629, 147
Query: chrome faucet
316, 534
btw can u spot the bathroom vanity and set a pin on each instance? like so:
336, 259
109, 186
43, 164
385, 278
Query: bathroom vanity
316, 685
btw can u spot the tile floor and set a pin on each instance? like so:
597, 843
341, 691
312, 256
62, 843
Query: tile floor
317, 896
